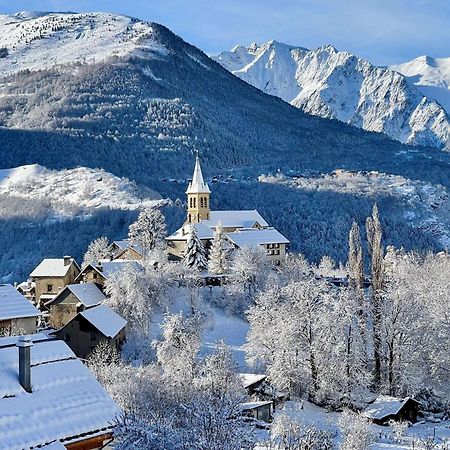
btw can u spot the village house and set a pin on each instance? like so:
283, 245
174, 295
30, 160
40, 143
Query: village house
124, 249
90, 327
241, 228
49, 398
73, 299
386, 408
17, 314
28, 290
51, 276
99, 272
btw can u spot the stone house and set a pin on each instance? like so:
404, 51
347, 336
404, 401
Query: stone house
73, 299
205, 222
17, 314
124, 249
51, 276
90, 327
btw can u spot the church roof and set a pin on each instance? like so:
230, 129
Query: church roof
235, 219
203, 232
197, 185
253, 237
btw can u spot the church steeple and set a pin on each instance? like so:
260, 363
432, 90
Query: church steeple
198, 196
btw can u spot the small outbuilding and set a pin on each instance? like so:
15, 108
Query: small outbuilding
261, 411
386, 408
90, 327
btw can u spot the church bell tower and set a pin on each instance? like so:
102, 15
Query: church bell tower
198, 196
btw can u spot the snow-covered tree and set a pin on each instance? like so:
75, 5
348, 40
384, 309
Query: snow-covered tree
355, 430
217, 254
194, 254
374, 239
176, 353
355, 259
97, 250
149, 229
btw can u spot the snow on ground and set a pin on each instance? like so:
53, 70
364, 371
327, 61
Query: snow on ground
313, 415
81, 187
427, 206
36, 41
219, 325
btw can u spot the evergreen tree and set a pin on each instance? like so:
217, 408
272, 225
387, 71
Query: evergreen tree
194, 252
217, 255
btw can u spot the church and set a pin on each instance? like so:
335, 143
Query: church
241, 228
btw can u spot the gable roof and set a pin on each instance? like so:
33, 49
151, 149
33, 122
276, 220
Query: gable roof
125, 244
108, 322
52, 268
253, 237
13, 305
109, 268
182, 234
249, 379
385, 406
87, 293
235, 219
66, 400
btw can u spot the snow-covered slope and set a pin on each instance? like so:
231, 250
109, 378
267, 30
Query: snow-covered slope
339, 85
74, 190
431, 76
36, 41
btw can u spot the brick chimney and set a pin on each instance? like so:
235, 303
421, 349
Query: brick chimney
24, 344
67, 260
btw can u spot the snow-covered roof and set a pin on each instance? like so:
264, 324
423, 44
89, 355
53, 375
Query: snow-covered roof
108, 322
252, 237
66, 400
52, 267
106, 268
197, 185
235, 219
248, 379
203, 232
87, 293
252, 405
13, 305
385, 406
124, 244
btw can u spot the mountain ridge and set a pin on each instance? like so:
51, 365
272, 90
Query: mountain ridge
334, 84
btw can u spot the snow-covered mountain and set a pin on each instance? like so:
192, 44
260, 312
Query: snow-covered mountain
339, 85
431, 76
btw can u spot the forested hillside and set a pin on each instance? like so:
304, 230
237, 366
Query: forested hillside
141, 112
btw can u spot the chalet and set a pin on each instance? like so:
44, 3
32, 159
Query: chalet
73, 299
205, 221
17, 314
99, 272
92, 326
124, 249
49, 399
52, 275
259, 389
386, 408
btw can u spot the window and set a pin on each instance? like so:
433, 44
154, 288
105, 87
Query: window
206, 202
201, 202
94, 276
49, 287
93, 337
276, 245
190, 220
195, 202
277, 252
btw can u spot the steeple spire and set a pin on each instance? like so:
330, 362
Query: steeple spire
198, 196
197, 185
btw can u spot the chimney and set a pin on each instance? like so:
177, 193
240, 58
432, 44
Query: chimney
25, 345
67, 260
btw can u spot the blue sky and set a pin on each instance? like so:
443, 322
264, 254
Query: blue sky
383, 31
